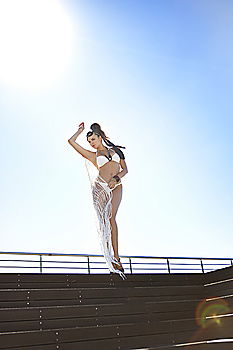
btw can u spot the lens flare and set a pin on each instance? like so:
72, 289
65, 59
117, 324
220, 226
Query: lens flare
208, 312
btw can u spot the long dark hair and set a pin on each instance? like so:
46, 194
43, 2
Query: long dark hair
96, 129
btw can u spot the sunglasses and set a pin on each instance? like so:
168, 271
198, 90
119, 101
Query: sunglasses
90, 133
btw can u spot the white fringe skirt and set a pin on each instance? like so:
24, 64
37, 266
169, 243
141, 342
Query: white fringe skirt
102, 201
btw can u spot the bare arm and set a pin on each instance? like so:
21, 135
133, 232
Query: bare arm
122, 173
124, 170
84, 152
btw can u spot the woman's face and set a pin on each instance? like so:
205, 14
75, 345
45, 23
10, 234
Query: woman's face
94, 140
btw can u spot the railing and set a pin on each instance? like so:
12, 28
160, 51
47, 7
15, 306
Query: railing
91, 263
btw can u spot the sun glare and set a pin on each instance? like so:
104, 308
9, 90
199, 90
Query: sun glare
36, 39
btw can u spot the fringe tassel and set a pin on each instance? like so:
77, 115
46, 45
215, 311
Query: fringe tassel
102, 201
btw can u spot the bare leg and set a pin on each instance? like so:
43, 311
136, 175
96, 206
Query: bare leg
116, 199
114, 237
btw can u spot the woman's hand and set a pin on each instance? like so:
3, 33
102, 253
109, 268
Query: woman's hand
112, 183
74, 137
81, 127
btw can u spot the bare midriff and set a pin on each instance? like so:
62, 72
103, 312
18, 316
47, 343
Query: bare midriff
109, 169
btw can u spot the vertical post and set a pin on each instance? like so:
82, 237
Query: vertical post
40, 263
88, 265
202, 266
168, 266
130, 266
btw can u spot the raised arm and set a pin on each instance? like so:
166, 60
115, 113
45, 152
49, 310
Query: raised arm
84, 152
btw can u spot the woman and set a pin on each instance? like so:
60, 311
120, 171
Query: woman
106, 189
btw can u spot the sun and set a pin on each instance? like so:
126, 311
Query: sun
36, 41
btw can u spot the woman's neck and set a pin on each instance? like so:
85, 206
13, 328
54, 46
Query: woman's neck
101, 148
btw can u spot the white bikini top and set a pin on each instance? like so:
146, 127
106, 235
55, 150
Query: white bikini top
101, 160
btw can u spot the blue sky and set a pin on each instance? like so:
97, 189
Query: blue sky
157, 75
